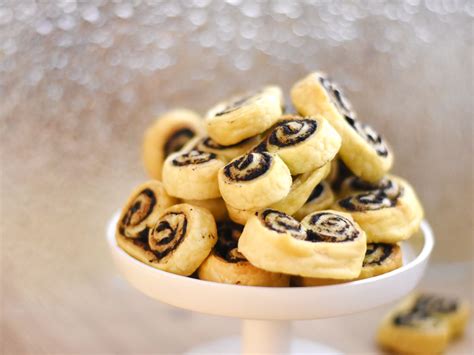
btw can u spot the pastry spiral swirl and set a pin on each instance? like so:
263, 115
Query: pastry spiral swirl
304, 143
254, 180
292, 131
353, 185
345, 108
423, 323
388, 214
328, 245
246, 116
425, 309
168, 134
282, 223
140, 212
142, 207
369, 135
330, 227
363, 150
377, 253
167, 233
336, 95
178, 241
193, 157
192, 174
248, 167
368, 201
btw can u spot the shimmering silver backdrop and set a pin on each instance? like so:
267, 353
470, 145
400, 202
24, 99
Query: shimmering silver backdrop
80, 81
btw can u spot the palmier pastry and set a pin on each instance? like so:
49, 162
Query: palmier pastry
304, 143
363, 150
387, 215
254, 180
301, 189
192, 174
180, 240
379, 259
216, 206
167, 135
229, 152
325, 244
142, 209
245, 116
320, 199
423, 324
354, 185
226, 264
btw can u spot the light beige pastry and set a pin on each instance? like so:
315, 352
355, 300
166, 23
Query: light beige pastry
325, 244
353, 185
246, 116
226, 264
423, 324
320, 199
141, 211
240, 216
192, 175
254, 180
363, 150
168, 134
216, 206
387, 215
379, 259
229, 152
180, 240
301, 189
304, 143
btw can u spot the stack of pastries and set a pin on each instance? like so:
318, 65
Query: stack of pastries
253, 195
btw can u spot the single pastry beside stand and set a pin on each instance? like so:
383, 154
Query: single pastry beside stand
267, 312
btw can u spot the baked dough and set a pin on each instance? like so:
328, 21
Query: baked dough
379, 259
320, 199
363, 150
216, 206
325, 244
354, 185
229, 152
300, 191
141, 211
245, 116
181, 239
304, 143
387, 215
192, 175
168, 134
226, 264
423, 323
254, 180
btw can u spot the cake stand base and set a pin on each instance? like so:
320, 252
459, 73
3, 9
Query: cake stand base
232, 345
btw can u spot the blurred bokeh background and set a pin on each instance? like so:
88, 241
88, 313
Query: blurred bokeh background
81, 80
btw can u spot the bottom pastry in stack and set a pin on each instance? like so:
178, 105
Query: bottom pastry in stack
227, 265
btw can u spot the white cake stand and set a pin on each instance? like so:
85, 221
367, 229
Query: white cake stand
267, 312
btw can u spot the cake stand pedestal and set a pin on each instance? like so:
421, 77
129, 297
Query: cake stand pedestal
267, 312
